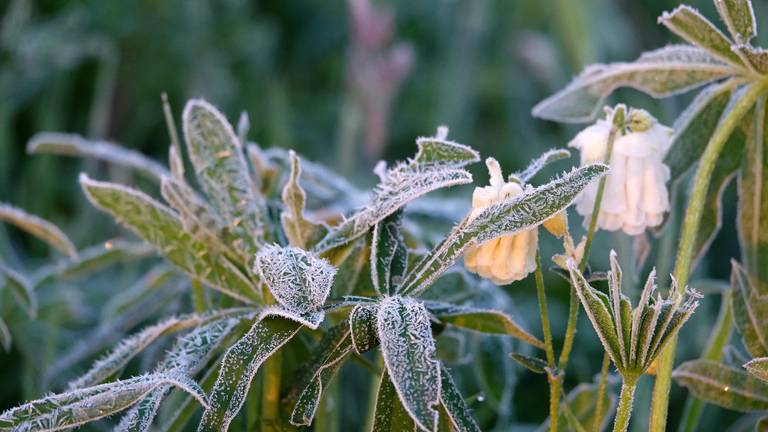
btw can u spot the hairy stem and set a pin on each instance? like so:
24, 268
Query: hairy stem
598, 421
685, 251
555, 386
717, 341
624, 410
554, 394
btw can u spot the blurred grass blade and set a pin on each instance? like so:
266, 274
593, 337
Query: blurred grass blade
410, 357
659, 73
507, 217
390, 415
5, 336
73, 408
438, 164
454, 404
690, 25
723, 385
481, 320
739, 16
21, 288
159, 226
40, 228
219, 161
362, 327
389, 256
540, 162
75, 145
750, 312
239, 365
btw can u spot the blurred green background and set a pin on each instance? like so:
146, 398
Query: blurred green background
98, 67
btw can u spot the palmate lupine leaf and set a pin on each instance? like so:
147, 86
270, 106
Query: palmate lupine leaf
410, 357
739, 17
507, 217
362, 327
690, 25
389, 256
73, 408
390, 415
540, 162
75, 145
219, 161
21, 288
159, 226
239, 365
753, 202
298, 229
481, 320
663, 72
437, 164
38, 227
188, 355
750, 312
723, 385
327, 357
456, 409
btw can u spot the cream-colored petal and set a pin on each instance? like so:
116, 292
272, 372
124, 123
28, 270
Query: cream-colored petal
636, 144
592, 142
501, 269
634, 190
614, 196
655, 197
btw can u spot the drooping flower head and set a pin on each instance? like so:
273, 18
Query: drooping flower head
636, 195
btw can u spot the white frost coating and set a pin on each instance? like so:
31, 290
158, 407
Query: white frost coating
299, 280
311, 319
38, 227
73, 408
410, 356
436, 165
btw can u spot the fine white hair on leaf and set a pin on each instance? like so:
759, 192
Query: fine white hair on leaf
299, 280
410, 357
38, 227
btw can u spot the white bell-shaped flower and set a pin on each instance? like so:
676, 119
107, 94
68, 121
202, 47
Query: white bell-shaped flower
635, 195
508, 258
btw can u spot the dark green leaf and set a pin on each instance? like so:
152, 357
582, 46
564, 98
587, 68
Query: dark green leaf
723, 385
453, 402
690, 25
750, 312
739, 17
38, 227
389, 256
390, 415
362, 326
533, 364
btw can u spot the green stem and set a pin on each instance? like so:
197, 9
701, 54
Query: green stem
270, 396
685, 251
719, 338
598, 421
624, 410
554, 392
555, 387
198, 296
573, 306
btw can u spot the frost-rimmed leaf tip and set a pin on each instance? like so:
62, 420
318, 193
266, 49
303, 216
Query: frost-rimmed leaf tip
633, 338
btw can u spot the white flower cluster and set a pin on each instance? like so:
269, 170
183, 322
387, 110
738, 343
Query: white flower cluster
635, 194
508, 258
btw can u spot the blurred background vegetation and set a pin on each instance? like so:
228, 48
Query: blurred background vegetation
342, 89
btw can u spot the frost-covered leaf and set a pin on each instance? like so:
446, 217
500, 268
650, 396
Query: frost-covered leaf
75, 145
159, 226
219, 161
758, 367
74, 408
410, 357
390, 415
389, 256
757, 57
540, 162
723, 385
694, 127
457, 410
188, 354
660, 73
753, 202
327, 358
298, 229
739, 17
297, 279
481, 320
437, 164
750, 312
39, 228
690, 25
311, 319
93, 259
362, 326
581, 403
533, 364
239, 365
528, 209
21, 288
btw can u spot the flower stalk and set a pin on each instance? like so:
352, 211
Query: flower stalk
555, 382
624, 410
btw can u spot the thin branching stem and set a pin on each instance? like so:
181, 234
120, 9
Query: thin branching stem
690, 227
554, 393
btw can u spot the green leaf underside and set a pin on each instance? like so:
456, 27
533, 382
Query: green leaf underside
540, 162
38, 227
76, 145
750, 312
410, 357
660, 73
533, 364
160, 227
390, 415
21, 288
217, 156
758, 367
389, 256
70, 409
507, 217
753, 202
239, 365
723, 385
690, 25
454, 405
739, 17
481, 320
437, 164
